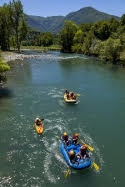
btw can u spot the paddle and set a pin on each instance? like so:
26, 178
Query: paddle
67, 173
95, 166
78, 94
89, 147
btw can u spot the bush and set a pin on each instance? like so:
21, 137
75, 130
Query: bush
3, 66
111, 50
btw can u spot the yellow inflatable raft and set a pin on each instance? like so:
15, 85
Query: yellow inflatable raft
69, 100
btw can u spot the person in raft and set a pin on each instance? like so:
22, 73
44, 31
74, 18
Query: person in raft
67, 94
75, 138
72, 156
83, 152
65, 138
38, 122
73, 96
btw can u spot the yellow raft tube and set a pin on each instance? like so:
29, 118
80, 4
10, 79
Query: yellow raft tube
69, 100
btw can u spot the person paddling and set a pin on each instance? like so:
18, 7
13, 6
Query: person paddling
67, 94
38, 122
65, 138
75, 138
83, 152
72, 155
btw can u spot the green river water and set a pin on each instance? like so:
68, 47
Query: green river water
35, 88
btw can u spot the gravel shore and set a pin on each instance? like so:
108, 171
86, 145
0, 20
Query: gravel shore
11, 56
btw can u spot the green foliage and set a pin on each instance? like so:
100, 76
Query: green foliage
18, 22
122, 20
13, 26
3, 66
111, 50
67, 35
47, 39
113, 24
36, 38
87, 43
5, 27
102, 30
77, 48
79, 37
105, 39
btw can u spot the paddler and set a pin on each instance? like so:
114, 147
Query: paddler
75, 138
72, 155
65, 138
83, 152
38, 122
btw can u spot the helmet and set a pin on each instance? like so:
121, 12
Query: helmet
76, 135
65, 134
84, 146
71, 152
37, 119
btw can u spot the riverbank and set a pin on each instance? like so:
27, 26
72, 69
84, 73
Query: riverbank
15, 55
43, 49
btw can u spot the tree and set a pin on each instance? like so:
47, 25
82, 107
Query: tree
102, 30
79, 37
122, 21
111, 50
5, 27
87, 43
113, 24
19, 25
67, 35
47, 39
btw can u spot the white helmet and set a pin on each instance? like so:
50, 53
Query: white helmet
37, 119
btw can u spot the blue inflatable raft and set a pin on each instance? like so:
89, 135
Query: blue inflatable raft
78, 163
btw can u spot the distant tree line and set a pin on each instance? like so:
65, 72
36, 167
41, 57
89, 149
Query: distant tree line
104, 39
37, 38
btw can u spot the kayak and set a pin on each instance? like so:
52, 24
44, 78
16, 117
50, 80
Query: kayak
39, 129
80, 163
69, 100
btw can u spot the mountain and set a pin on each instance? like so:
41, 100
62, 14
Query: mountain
55, 23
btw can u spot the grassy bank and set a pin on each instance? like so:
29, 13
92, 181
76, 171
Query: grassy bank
41, 48
3, 66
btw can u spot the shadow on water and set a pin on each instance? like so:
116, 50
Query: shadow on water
5, 93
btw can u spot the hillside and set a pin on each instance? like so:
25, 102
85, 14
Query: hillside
55, 23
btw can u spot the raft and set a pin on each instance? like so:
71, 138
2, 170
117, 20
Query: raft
77, 163
69, 100
39, 129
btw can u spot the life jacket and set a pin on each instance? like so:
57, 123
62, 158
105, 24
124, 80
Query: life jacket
72, 157
75, 139
83, 152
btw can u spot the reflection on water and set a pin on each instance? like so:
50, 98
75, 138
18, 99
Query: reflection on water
38, 85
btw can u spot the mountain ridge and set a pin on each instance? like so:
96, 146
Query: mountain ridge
55, 23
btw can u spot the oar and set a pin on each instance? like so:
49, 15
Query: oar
89, 147
67, 173
95, 166
78, 94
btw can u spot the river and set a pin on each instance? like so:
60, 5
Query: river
35, 88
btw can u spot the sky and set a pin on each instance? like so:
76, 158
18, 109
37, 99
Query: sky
63, 7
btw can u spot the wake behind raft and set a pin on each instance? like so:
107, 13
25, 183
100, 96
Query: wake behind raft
77, 163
